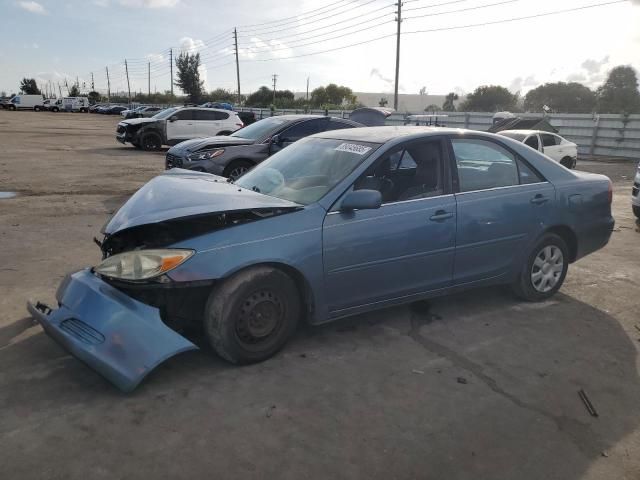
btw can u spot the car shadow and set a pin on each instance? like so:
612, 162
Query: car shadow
472, 385
125, 150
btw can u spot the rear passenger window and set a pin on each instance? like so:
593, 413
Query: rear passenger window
483, 165
184, 114
337, 125
210, 115
549, 140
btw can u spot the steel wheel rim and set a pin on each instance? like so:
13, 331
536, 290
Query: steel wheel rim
237, 172
547, 268
259, 319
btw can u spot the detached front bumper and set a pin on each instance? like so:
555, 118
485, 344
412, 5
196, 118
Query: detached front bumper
119, 337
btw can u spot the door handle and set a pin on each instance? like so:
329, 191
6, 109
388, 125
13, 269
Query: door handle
539, 199
440, 215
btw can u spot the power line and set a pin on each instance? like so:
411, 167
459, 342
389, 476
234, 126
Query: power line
296, 17
467, 9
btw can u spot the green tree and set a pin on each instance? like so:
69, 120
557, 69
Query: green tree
561, 97
263, 98
74, 91
448, 105
94, 97
332, 96
432, 108
489, 98
619, 94
220, 95
28, 86
188, 75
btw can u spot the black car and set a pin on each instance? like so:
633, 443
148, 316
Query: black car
115, 110
231, 156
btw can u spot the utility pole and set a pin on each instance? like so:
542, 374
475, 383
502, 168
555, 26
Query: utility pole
149, 78
235, 38
275, 78
108, 87
395, 88
93, 85
126, 69
66, 84
307, 89
171, 66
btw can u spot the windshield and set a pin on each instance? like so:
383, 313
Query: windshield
305, 171
165, 113
259, 129
515, 135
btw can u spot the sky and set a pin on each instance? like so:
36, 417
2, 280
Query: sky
58, 40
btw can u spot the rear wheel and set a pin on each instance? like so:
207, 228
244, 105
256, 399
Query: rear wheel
36, 108
151, 141
237, 168
250, 316
13, 107
55, 109
567, 162
636, 211
545, 269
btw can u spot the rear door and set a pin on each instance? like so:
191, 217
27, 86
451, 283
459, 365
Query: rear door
551, 146
502, 203
210, 122
533, 141
183, 127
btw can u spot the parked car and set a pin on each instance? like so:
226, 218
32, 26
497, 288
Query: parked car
175, 125
114, 110
339, 223
635, 194
231, 156
144, 112
553, 146
247, 117
94, 108
25, 102
103, 109
126, 112
221, 105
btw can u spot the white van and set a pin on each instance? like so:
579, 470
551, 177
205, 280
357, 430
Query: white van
26, 102
70, 104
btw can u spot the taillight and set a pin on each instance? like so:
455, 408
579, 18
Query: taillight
610, 192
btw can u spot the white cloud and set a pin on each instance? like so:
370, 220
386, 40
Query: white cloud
101, 3
33, 7
594, 66
155, 57
149, 3
191, 45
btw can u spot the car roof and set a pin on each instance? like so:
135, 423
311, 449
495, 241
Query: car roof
527, 132
206, 109
387, 133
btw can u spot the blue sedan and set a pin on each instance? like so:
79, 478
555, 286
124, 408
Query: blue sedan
339, 223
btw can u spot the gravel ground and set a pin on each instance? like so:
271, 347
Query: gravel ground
480, 386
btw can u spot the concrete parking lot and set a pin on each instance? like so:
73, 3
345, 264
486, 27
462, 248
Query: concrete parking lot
477, 386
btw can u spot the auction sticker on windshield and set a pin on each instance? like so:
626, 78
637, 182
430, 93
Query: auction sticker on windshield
353, 148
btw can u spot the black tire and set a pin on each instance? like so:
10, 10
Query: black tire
251, 315
36, 108
55, 109
636, 211
12, 107
150, 142
135, 144
237, 168
567, 162
524, 286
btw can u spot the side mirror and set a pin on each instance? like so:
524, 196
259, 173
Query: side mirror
361, 200
276, 140
173, 119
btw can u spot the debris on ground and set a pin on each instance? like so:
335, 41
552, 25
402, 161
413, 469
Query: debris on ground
270, 411
462, 380
420, 372
587, 403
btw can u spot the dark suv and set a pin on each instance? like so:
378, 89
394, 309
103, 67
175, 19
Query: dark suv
231, 156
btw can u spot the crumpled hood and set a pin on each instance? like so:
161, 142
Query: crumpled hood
182, 193
198, 144
138, 121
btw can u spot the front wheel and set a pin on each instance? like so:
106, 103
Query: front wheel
545, 269
13, 108
36, 108
636, 211
250, 316
236, 169
150, 142
568, 162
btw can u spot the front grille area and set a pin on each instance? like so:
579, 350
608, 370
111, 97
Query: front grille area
82, 331
173, 161
121, 129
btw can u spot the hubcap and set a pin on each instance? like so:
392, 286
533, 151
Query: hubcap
547, 268
237, 172
259, 317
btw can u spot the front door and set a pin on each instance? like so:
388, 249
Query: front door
403, 248
208, 122
182, 127
299, 130
501, 204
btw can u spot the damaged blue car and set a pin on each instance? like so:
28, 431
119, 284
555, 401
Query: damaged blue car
339, 223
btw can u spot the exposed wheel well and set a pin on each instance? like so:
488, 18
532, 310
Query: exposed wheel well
569, 237
224, 132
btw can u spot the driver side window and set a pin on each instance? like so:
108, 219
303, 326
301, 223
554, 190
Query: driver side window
409, 173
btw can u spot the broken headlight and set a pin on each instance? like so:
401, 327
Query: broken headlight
142, 264
205, 155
